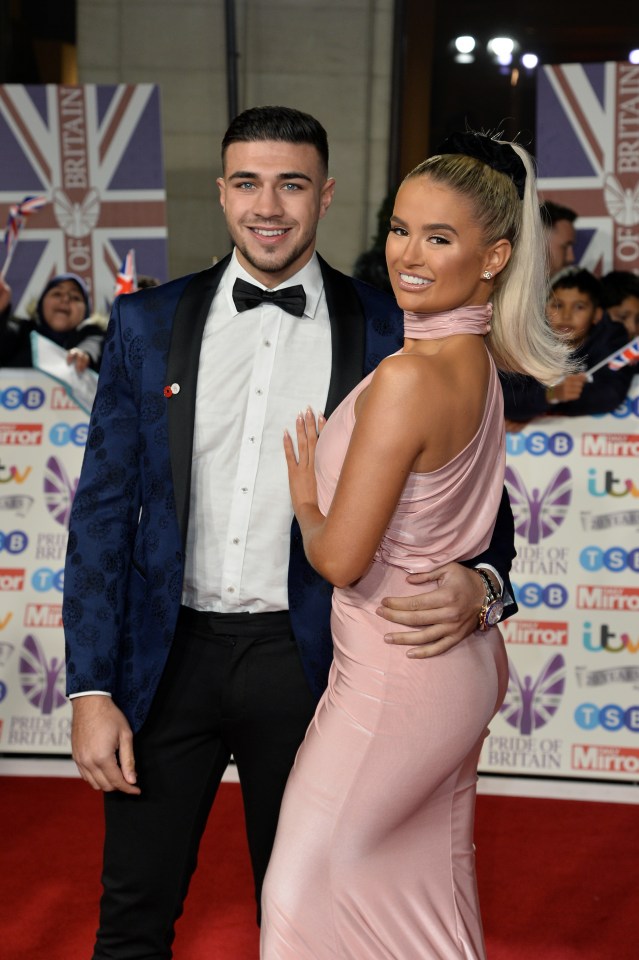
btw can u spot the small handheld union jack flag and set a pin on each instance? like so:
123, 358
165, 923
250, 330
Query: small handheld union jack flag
627, 355
126, 280
621, 358
18, 213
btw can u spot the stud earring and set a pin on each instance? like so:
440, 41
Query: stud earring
487, 275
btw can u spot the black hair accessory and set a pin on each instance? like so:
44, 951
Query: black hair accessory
499, 156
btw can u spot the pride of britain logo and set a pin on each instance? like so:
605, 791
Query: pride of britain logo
530, 703
42, 680
59, 490
538, 514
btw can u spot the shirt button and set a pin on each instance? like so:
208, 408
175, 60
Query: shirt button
259, 391
267, 343
236, 539
230, 589
244, 489
252, 439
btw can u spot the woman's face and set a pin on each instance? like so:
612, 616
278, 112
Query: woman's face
435, 251
63, 307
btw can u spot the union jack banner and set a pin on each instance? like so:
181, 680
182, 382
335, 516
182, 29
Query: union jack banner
588, 157
126, 280
95, 153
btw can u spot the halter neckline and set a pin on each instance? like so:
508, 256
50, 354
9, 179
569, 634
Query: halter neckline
435, 326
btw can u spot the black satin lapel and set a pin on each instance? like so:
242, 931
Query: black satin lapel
182, 368
348, 335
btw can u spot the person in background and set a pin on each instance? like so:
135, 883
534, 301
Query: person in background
63, 315
145, 281
370, 266
559, 222
574, 310
620, 299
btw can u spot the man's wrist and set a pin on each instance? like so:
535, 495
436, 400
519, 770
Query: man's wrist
495, 578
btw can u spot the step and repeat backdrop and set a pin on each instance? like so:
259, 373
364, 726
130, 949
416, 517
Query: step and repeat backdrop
42, 439
572, 708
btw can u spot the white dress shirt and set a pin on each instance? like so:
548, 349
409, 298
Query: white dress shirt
258, 369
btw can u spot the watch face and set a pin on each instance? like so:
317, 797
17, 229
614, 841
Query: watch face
494, 612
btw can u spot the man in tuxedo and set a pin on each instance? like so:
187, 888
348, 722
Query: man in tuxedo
195, 627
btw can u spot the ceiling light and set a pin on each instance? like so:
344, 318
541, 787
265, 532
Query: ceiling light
465, 44
501, 47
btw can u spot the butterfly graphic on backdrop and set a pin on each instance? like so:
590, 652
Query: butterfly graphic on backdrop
42, 681
621, 203
536, 514
529, 705
59, 491
76, 219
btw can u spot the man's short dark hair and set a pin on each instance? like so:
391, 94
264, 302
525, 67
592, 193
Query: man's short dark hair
576, 278
617, 285
277, 123
552, 213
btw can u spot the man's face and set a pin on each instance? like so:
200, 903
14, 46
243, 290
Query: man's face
273, 194
561, 246
572, 313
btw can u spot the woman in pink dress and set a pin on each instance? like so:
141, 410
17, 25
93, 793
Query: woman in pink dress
374, 855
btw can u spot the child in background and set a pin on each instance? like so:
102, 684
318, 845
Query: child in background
620, 290
63, 315
574, 308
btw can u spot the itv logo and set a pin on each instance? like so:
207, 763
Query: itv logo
603, 638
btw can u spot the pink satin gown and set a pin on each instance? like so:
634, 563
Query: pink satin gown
374, 855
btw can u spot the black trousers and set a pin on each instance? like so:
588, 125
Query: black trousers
233, 685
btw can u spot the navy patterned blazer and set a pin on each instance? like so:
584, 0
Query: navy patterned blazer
125, 556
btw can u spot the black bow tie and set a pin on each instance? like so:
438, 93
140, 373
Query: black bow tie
247, 295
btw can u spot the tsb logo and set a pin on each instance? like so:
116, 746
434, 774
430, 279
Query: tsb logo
629, 408
588, 716
13, 397
14, 542
46, 579
62, 433
538, 443
533, 595
614, 559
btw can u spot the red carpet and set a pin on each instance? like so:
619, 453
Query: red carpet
557, 878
